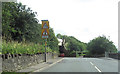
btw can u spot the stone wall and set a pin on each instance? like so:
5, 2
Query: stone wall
114, 55
17, 62
94, 56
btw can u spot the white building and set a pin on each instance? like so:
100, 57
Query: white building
60, 41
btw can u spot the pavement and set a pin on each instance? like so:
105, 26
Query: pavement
38, 67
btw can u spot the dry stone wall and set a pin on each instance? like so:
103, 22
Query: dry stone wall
17, 62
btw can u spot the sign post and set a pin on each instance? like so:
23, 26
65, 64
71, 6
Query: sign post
45, 33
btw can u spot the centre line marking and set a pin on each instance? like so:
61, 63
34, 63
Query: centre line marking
91, 63
97, 69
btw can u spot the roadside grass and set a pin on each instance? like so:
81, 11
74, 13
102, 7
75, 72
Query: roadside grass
14, 47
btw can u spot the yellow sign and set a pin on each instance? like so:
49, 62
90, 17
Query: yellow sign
45, 29
45, 24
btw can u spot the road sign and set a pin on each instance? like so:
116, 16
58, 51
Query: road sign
45, 33
45, 29
45, 24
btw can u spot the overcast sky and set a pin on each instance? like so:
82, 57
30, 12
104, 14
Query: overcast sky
83, 19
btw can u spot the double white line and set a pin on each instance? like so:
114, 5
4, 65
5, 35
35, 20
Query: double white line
95, 67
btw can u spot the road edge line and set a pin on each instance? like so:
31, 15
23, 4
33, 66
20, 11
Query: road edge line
56, 62
48, 65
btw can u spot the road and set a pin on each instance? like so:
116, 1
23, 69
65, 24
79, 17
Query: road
84, 65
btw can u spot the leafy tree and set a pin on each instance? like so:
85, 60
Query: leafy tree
52, 41
72, 44
7, 19
99, 45
59, 36
19, 23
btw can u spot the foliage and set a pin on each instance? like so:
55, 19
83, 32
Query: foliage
22, 48
19, 22
72, 44
77, 55
59, 36
82, 54
52, 40
99, 45
20, 26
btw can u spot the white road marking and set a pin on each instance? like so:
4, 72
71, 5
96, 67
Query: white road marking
56, 62
91, 63
40, 69
97, 69
48, 65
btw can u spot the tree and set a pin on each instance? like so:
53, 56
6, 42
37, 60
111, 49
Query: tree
99, 45
19, 23
7, 19
52, 41
59, 36
72, 44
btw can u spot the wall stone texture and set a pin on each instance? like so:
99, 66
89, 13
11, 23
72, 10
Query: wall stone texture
17, 62
114, 55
